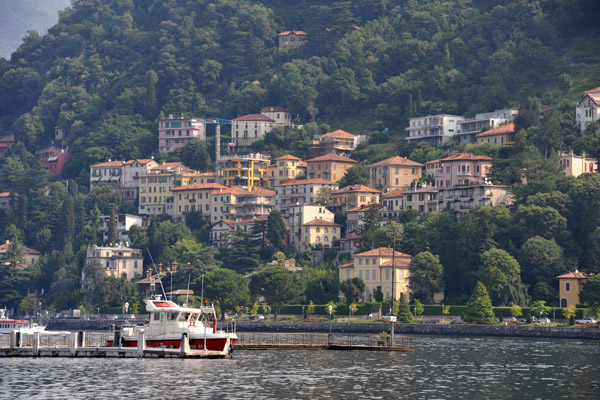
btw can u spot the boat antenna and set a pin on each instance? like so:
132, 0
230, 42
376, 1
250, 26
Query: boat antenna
187, 295
155, 270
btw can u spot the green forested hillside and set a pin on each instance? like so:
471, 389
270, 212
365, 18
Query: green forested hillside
125, 61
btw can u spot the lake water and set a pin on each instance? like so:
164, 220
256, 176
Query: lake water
439, 368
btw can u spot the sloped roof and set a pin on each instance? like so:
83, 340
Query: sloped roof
332, 157
349, 265
396, 160
394, 193
200, 186
171, 165
383, 252
320, 222
109, 164
462, 157
356, 188
288, 157
337, 134
596, 90
26, 250
286, 33
574, 275
398, 262
139, 160
595, 98
233, 190
253, 117
316, 181
501, 130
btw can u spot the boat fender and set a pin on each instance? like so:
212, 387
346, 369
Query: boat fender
214, 326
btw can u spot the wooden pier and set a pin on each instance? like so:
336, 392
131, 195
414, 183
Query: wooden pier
323, 341
76, 344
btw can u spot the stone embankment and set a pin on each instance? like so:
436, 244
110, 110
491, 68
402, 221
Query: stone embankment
364, 328
425, 329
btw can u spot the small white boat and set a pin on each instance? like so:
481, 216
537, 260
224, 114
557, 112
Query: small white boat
8, 325
169, 321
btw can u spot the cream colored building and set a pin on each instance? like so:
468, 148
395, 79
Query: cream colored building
123, 175
255, 203
224, 202
118, 261
394, 173
354, 196
195, 197
463, 199
156, 197
569, 287
498, 136
299, 192
331, 167
319, 232
587, 111
577, 165
380, 267
299, 215
30, 256
291, 39
286, 168
459, 169
247, 129
280, 115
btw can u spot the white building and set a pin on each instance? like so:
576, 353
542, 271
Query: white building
587, 110
433, 129
118, 261
469, 127
124, 222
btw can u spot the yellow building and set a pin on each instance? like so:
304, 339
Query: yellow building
118, 261
319, 232
286, 168
380, 267
394, 173
499, 136
576, 165
354, 196
569, 288
156, 197
195, 197
331, 167
246, 171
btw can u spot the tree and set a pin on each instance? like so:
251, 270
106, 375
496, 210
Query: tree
276, 230
404, 314
353, 289
113, 292
370, 227
479, 308
569, 311
358, 174
277, 285
112, 228
426, 276
590, 294
228, 288
516, 311
539, 308
419, 308
26, 305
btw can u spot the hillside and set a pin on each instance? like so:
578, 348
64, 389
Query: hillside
17, 17
105, 62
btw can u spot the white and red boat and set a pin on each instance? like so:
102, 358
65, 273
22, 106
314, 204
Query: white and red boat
169, 322
8, 325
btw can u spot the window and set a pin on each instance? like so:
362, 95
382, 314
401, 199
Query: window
568, 286
374, 274
367, 275
387, 274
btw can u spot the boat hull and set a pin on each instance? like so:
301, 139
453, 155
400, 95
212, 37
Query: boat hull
212, 344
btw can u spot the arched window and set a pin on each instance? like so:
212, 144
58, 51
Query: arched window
563, 302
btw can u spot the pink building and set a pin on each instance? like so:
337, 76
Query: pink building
53, 159
459, 169
177, 132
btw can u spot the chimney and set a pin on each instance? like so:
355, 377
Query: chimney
174, 267
148, 273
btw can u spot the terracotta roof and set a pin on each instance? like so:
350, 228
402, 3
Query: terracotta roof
332, 157
501, 130
383, 252
356, 188
349, 265
399, 262
232, 191
337, 134
288, 157
109, 164
462, 157
273, 109
595, 98
596, 90
286, 33
396, 160
26, 250
253, 117
172, 165
358, 209
139, 160
574, 275
200, 186
394, 193
315, 181
320, 222
262, 192
302, 164
353, 237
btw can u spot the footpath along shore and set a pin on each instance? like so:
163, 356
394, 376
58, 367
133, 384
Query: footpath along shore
455, 329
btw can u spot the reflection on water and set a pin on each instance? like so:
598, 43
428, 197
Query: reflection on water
439, 368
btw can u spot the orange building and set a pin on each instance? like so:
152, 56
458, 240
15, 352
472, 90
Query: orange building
569, 288
331, 167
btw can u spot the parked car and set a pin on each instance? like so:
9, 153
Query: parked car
544, 320
586, 320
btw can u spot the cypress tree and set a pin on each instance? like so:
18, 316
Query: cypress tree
404, 314
479, 308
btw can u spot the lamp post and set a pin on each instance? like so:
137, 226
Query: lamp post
330, 311
302, 312
126, 307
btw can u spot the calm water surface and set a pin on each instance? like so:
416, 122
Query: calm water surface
439, 368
